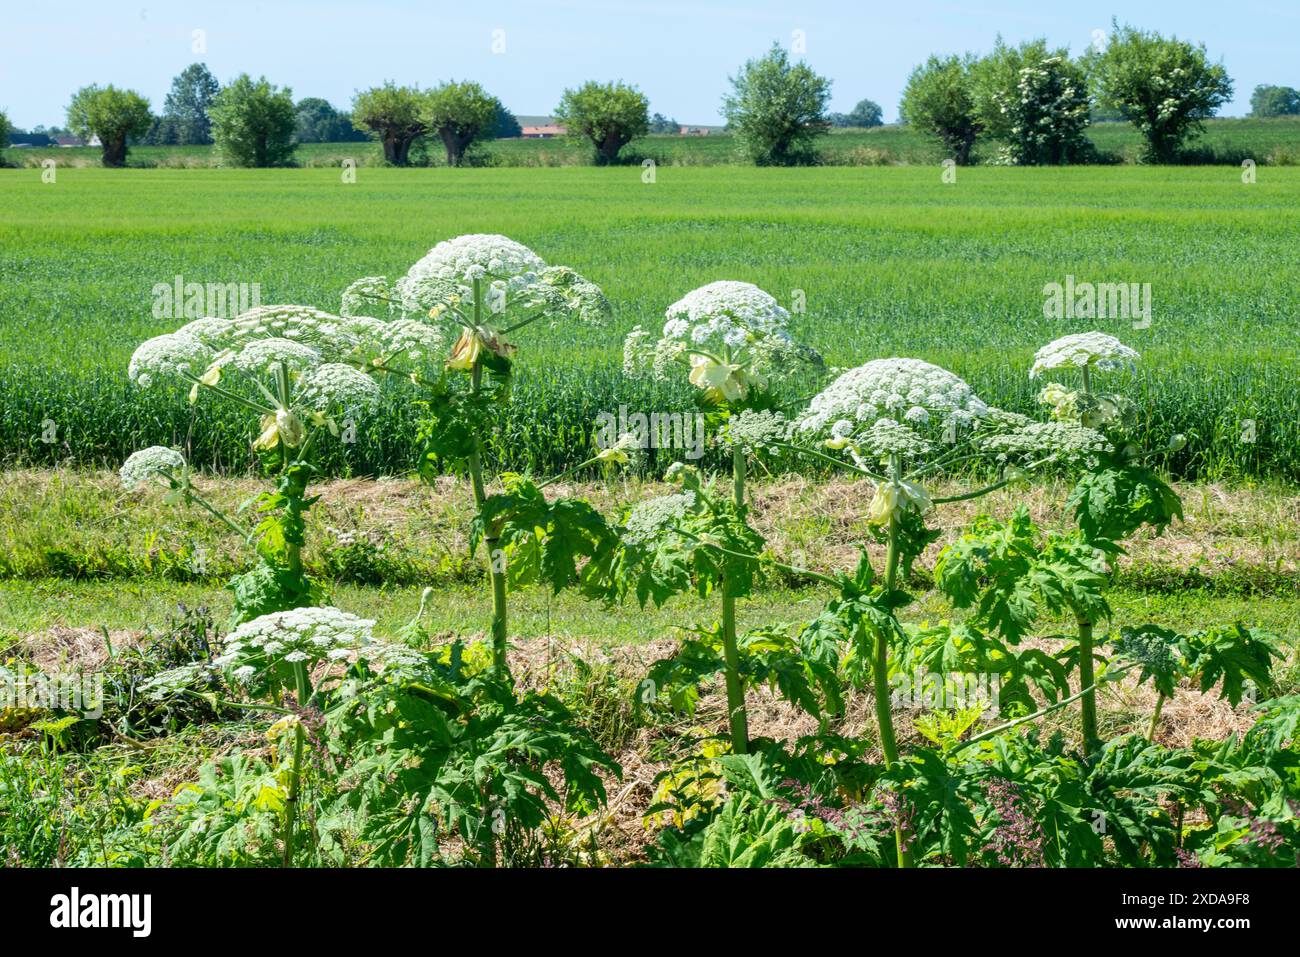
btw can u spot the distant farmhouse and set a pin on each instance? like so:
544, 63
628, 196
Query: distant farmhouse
694, 131
540, 127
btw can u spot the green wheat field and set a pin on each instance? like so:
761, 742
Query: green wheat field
889, 260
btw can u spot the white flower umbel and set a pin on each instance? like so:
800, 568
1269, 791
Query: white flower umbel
1039, 439
367, 296
752, 431
148, 465
450, 269
306, 636
415, 339
483, 288
731, 335
262, 355
1090, 350
649, 518
173, 355
907, 390
335, 387
209, 330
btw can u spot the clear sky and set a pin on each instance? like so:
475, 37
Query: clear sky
679, 52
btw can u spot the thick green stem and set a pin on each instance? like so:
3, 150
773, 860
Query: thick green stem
1155, 718
291, 802
1088, 703
880, 672
736, 715
496, 567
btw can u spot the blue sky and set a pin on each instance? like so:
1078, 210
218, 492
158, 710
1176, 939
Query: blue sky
679, 53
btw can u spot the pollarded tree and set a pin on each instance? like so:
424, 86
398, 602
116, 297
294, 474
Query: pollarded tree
186, 109
1035, 100
1274, 101
111, 114
253, 122
461, 114
939, 99
778, 109
394, 115
1162, 85
610, 115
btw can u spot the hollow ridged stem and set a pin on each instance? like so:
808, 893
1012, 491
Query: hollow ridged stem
736, 716
495, 571
880, 670
1088, 703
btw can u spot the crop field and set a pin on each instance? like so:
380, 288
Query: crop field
1225, 141
888, 260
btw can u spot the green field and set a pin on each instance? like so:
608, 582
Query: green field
1225, 141
892, 262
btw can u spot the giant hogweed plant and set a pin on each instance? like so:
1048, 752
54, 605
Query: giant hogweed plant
484, 290
380, 754
731, 341
1118, 492
303, 377
899, 422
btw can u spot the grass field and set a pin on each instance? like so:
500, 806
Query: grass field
1225, 141
892, 262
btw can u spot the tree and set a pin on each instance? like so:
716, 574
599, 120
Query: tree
5, 129
939, 99
662, 124
394, 114
610, 115
461, 114
505, 125
186, 109
253, 122
777, 110
1035, 100
317, 121
1164, 86
866, 114
110, 114
1274, 101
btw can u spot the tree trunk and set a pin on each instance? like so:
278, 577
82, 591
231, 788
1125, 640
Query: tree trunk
393, 149
114, 151
454, 145
609, 147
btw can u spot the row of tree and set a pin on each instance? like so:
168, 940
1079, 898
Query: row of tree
1034, 101
1037, 102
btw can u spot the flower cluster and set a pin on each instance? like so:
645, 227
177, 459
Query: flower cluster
884, 438
264, 355
649, 518
306, 636
476, 256
168, 356
1093, 350
907, 390
334, 386
366, 296
1047, 438
752, 431
732, 335
155, 462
